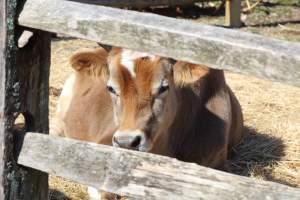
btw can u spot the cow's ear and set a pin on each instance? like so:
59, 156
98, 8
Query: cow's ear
91, 62
187, 73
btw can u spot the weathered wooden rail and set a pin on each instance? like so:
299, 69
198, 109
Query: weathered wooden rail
141, 175
214, 46
24, 76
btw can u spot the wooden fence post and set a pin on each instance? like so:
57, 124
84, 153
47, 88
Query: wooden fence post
24, 77
233, 13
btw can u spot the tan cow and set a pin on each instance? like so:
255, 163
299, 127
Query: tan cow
149, 103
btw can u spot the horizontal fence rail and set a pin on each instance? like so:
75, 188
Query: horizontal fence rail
183, 40
139, 3
141, 175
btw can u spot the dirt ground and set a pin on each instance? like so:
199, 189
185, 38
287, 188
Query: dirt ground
270, 149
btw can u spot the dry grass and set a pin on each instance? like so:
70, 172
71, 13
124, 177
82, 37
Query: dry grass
270, 149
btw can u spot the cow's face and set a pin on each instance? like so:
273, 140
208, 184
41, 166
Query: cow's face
142, 89
143, 97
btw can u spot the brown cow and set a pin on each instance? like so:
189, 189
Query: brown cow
149, 103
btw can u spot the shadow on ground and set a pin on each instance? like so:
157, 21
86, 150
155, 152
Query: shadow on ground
256, 155
274, 24
283, 3
187, 12
57, 195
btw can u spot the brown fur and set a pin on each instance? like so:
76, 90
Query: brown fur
207, 113
208, 118
84, 107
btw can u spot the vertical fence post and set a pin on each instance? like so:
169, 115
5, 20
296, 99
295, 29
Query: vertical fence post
24, 77
233, 13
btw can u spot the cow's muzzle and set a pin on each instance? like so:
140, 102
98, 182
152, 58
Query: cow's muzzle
135, 140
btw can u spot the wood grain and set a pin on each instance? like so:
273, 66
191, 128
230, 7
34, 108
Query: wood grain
23, 90
183, 40
141, 175
3, 38
233, 13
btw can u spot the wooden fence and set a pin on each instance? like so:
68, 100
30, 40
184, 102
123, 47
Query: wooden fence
141, 175
183, 40
24, 81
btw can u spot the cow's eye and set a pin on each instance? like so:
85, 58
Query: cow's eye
111, 89
163, 88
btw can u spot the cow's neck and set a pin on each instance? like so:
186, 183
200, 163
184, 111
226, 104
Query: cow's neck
192, 101
161, 144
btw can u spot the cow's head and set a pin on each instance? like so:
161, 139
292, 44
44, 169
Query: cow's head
142, 89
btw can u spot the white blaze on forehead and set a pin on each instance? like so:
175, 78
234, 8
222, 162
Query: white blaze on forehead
128, 57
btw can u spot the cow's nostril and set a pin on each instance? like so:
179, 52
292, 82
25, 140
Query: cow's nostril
136, 142
115, 142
